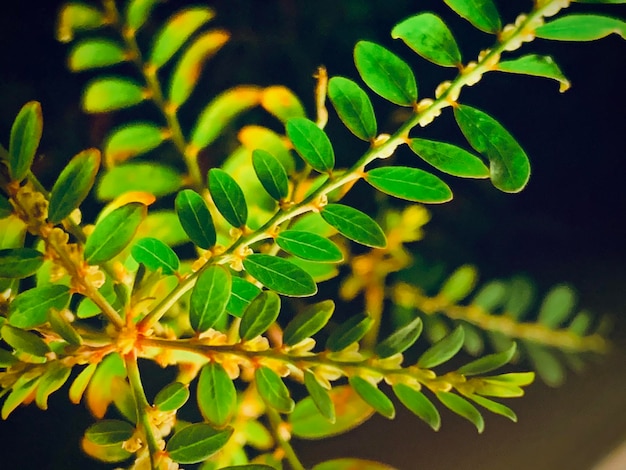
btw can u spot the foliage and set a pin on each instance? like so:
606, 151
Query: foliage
256, 235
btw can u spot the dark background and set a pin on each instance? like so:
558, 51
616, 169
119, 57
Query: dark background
566, 226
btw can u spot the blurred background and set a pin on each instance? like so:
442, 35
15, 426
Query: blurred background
566, 226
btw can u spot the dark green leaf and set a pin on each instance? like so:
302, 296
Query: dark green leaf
509, 164
373, 396
6, 209
443, 350
138, 12
581, 323
131, 140
216, 395
459, 284
271, 174
280, 275
30, 308
581, 27
320, 396
536, 65
449, 158
351, 331
308, 322
108, 94
400, 340
353, 107
429, 36
95, 53
7, 359
521, 294
114, 232
25, 136
176, 32
155, 254
309, 246
557, 306
75, 17
195, 218
355, 225
228, 197
73, 185
547, 365
488, 363
311, 143
24, 341
490, 296
259, 315
273, 390
495, 407
417, 403
51, 381
483, 14
172, 397
18, 263
209, 297
408, 183
463, 408
243, 292
196, 442
151, 177
385, 73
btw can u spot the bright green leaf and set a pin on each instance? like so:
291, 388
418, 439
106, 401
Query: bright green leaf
108, 94
483, 14
400, 340
308, 322
443, 350
30, 308
494, 407
309, 246
273, 390
195, 218
52, 380
538, 66
557, 306
350, 331
138, 12
209, 297
488, 363
155, 254
355, 225
271, 174
18, 263
151, 177
216, 395
314, 223
353, 107
320, 396
408, 183
24, 341
280, 275
282, 103
196, 442
463, 408
459, 285
75, 17
172, 397
228, 197
252, 466
21, 390
373, 396
449, 158
416, 402
25, 136
581, 27
243, 292
95, 53
320, 272
385, 73
131, 140
259, 315
81, 382
311, 143
581, 323
64, 328
490, 296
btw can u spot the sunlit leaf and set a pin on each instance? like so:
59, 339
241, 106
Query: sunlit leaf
463, 408
538, 66
25, 136
108, 94
24, 341
209, 297
418, 404
271, 174
102, 388
228, 197
309, 246
132, 140
138, 12
73, 185
494, 407
155, 254
53, 379
151, 177
373, 396
61, 326
29, 309
408, 183
81, 382
18, 263
355, 225
311, 143
581, 27
195, 218
114, 232
95, 53
216, 395
320, 272
443, 350
353, 107
75, 17
109, 431
490, 296
557, 305
320, 396
314, 223
258, 436
163, 225
21, 391
282, 103
489, 362
449, 158
400, 340
243, 292
260, 314
280, 275
308, 322
172, 396
385, 73
349, 332
273, 390
483, 14
459, 284
111, 453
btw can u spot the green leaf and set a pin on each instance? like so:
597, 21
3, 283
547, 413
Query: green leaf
138, 12
187, 71
257, 435
220, 112
449, 158
488, 363
495, 407
216, 395
18, 263
443, 350
95, 53
253, 466
538, 66
429, 36
463, 408
196, 442
308, 423
459, 285
400, 340
311, 143
581, 27
243, 292
490, 296
580, 323
25, 136
24, 341
131, 140
209, 297
309, 246
521, 294
557, 306
30, 308
271, 174
81, 382
228, 197
195, 218
355, 225
111, 93
64, 328
176, 32
51, 381
6, 209
75, 17
519, 379
314, 223
350, 331
509, 164
114, 232
373, 396
483, 14
155, 254
408, 183
351, 464
280, 275
272, 390
547, 365
172, 397
385, 73
73, 185
353, 107
320, 396
308, 322
21, 390
259, 315
7, 359
148, 177
282, 103
416, 402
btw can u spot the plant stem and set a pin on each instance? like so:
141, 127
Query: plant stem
276, 422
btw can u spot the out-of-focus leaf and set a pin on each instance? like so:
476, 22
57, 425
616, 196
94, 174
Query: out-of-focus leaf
443, 350
463, 408
102, 95
95, 53
416, 402
351, 464
309, 246
228, 197
482, 14
7, 359
449, 158
163, 225
355, 225
6, 209
152, 178
490, 296
18, 263
155, 254
243, 292
521, 294
348, 332
400, 340
172, 397
547, 365
557, 306
138, 12
75, 16
271, 174
320, 396
259, 315
373, 396
273, 390
196, 442
308, 322
488, 363
313, 223
102, 388
320, 272
311, 143
353, 107
385, 73
408, 183
282, 103
209, 297
459, 284
538, 66
195, 218
25, 136
132, 140
29, 309
216, 395
581, 27
280, 275
24, 341
51, 381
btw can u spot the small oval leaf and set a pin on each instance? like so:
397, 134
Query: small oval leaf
24, 341
581, 27
373, 396
495, 407
50, 382
18, 263
196, 442
400, 340
320, 396
260, 315
557, 306
209, 297
408, 183
216, 395
243, 292
459, 285
443, 350
309, 246
355, 225
109, 431
353, 107
61, 326
308, 322
108, 94
131, 140
29, 308
75, 17
311, 143
463, 408
138, 12
282, 103
482, 14
271, 174
95, 53
489, 362
153, 178
172, 397
280, 275
195, 218
538, 66
24, 141
228, 197
416, 402
449, 158
273, 390
154, 255
350, 331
